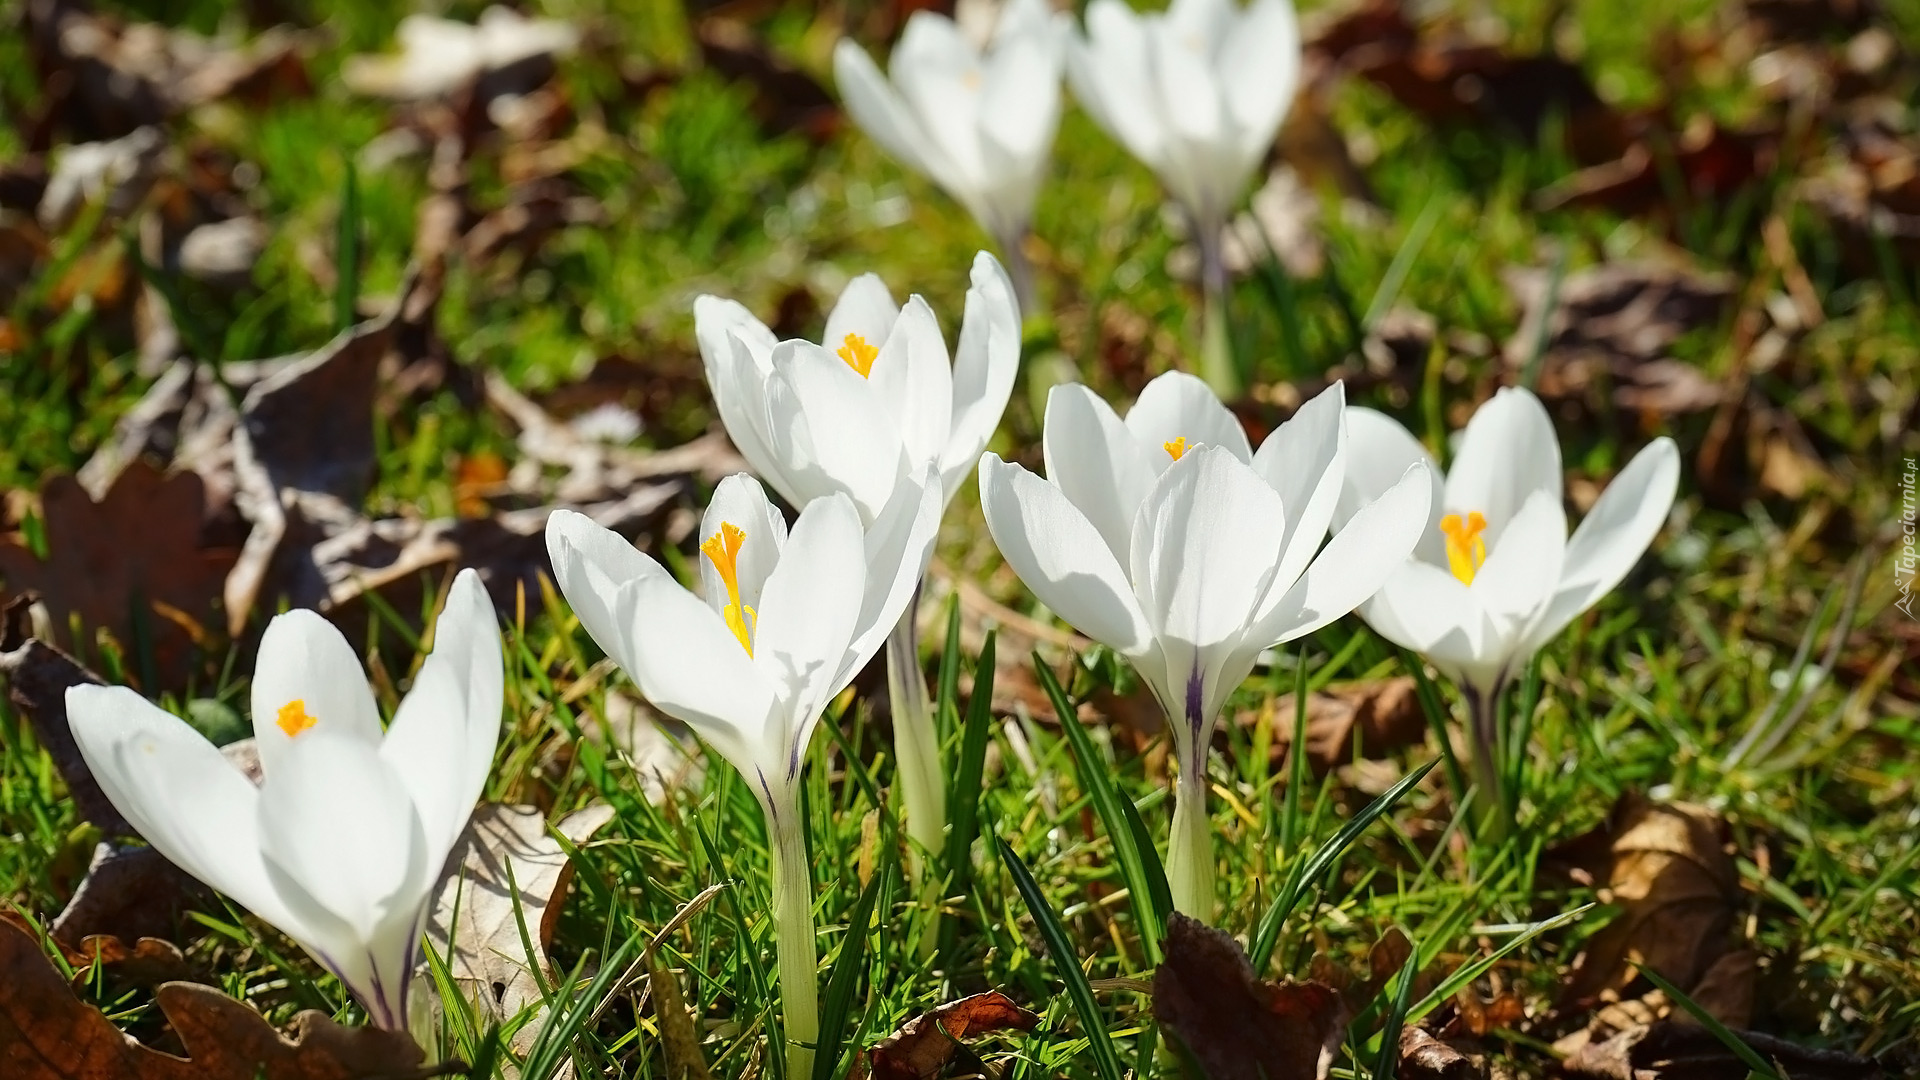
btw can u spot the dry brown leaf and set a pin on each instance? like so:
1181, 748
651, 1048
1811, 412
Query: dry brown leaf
1237, 1026
1423, 1057
679, 1039
1385, 714
477, 916
933, 1044
155, 597
1668, 868
48, 1034
1673, 1051
1703, 164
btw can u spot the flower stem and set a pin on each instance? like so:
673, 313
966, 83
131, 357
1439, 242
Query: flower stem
1013, 255
1216, 346
1190, 849
793, 930
1483, 726
916, 742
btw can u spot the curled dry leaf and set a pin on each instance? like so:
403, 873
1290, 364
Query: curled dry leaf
679, 1038
1423, 1057
155, 597
933, 1044
48, 1034
1675, 1051
1237, 1026
478, 914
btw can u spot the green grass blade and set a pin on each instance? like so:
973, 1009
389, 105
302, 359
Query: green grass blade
963, 800
1106, 1062
844, 980
346, 291
1748, 1055
1099, 787
1467, 973
1389, 1058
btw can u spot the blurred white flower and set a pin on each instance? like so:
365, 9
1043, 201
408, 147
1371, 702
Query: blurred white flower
341, 844
1167, 539
437, 56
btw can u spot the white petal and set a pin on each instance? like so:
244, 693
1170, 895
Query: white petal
1522, 571
593, 567
1613, 535
1189, 92
937, 71
691, 667
1379, 452
1359, 559
984, 366
1019, 116
178, 791
734, 349
1305, 461
740, 501
1507, 453
1096, 462
899, 544
809, 613
1426, 609
1259, 67
879, 111
445, 731
1205, 25
830, 431
865, 308
1177, 405
913, 378
1112, 76
307, 668
1060, 556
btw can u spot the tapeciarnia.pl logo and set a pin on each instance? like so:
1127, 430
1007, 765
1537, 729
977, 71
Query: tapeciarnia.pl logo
1904, 564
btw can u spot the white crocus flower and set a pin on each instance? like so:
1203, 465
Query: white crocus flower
1495, 575
978, 122
1165, 538
342, 842
1197, 94
785, 622
864, 414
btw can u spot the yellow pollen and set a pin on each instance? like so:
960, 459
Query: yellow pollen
1466, 550
971, 80
723, 550
1175, 448
294, 718
858, 354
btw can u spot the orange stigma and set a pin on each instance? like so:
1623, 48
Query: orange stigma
723, 550
1466, 549
858, 354
294, 718
1175, 448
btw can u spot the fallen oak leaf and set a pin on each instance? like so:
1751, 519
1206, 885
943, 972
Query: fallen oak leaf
1235, 1025
48, 1034
931, 1044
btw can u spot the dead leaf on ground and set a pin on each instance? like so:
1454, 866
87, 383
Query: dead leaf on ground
1668, 867
1665, 173
1237, 1026
1676, 1051
1385, 715
48, 1034
156, 598
679, 1037
933, 1044
1610, 330
477, 916
1423, 1057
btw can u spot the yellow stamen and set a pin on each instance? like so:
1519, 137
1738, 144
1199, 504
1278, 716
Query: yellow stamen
858, 354
294, 718
1175, 448
1466, 550
723, 550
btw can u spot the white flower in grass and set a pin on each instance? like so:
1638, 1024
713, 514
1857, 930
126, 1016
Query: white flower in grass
342, 842
980, 123
878, 402
1495, 575
1165, 538
1196, 93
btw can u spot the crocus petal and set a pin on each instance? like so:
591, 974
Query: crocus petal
1359, 559
1507, 453
1019, 116
836, 435
1379, 452
984, 366
741, 502
1426, 609
445, 731
308, 679
732, 346
691, 667
1613, 536
1206, 25
593, 566
899, 544
913, 378
808, 616
937, 70
865, 308
182, 795
1259, 67
1521, 574
1305, 461
1060, 556
880, 112
1112, 76
1177, 405
1096, 462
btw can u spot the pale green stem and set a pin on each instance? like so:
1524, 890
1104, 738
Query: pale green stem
1216, 346
916, 743
1013, 256
1482, 725
1190, 849
793, 930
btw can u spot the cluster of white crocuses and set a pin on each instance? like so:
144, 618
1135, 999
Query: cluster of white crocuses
1197, 93
1165, 536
